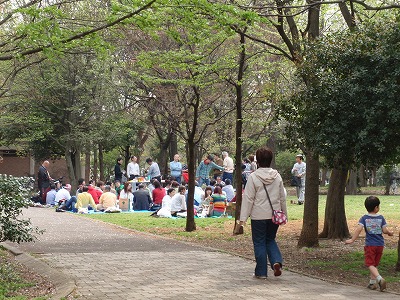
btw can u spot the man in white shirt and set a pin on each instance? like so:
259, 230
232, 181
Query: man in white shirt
299, 170
228, 167
133, 170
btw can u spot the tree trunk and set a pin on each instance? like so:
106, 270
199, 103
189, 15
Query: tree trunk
173, 146
101, 163
398, 256
309, 231
271, 144
190, 223
351, 187
239, 126
335, 224
362, 176
95, 165
87, 166
71, 171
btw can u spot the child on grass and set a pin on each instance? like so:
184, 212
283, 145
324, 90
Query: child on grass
374, 226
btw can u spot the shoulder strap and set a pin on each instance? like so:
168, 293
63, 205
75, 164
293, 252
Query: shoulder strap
269, 200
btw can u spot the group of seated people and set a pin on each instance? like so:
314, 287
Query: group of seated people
166, 201
209, 200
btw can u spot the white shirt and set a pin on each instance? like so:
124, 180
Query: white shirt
178, 203
133, 169
228, 165
62, 194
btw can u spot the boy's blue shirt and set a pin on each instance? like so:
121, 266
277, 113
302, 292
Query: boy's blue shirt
373, 225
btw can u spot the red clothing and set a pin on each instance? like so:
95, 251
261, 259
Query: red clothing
158, 195
92, 191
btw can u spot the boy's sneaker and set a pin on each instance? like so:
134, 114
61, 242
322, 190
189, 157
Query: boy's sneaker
277, 269
382, 285
372, 286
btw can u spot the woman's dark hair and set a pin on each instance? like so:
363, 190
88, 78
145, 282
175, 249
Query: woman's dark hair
170, 190
119, 159
126, 185
217, 190
371, 202
264, 157
208, 188
227, 181
156, 184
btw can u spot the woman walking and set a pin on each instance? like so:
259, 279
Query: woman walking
256, 205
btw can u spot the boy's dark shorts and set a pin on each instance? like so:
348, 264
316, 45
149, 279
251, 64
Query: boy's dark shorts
372, 255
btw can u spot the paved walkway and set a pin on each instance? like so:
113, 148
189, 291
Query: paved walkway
107, 262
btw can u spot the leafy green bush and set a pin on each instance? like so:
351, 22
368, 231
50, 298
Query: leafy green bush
14, 195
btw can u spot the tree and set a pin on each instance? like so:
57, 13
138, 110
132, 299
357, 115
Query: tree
354, 97
14, 195
69, 105
39, 26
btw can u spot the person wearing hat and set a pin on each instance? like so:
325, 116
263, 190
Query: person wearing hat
299, 170
204, 168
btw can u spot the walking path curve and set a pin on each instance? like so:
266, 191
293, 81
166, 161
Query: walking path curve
107, 262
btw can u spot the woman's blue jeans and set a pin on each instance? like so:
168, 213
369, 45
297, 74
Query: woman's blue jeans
263, 234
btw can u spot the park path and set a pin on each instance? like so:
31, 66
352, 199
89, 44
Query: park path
107, 262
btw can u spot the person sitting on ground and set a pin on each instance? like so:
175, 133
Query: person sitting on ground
165, 210
92, 191
158, 193
219, 182
178, 202
198, 195
100, 187
85, 200
126, 195
207, 195
218, 204
111, 184
228, 189
118, 187
63, 197
175, 185
167, 183
51, 195
107, 199
81, 184
141, 198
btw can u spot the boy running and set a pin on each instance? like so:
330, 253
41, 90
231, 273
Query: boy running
374, 226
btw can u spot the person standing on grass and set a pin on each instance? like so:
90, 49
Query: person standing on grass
299, 171
374, 225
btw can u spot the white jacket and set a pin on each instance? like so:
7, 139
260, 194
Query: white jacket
255, 201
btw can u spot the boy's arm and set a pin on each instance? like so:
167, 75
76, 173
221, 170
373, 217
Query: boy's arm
386, 230
355, 235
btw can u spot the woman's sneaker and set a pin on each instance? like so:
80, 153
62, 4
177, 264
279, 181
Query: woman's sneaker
382, 285
372, 286
277, 269
260, 276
